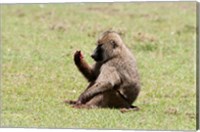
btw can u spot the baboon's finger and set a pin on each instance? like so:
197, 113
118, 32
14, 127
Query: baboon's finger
70, 102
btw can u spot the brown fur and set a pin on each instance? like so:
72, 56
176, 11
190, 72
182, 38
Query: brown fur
114, 80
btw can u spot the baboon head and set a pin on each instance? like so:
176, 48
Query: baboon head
109, 45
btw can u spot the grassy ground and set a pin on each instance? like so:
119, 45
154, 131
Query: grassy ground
38, 73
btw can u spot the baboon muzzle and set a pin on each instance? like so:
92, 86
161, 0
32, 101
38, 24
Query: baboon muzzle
94, 56
97, 54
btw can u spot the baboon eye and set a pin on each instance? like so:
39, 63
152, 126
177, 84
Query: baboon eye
114, 44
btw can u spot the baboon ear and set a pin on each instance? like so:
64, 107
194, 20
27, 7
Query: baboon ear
113, 43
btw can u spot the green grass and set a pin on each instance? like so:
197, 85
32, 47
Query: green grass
38, 73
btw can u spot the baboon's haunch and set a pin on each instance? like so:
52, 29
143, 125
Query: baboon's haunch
113, 79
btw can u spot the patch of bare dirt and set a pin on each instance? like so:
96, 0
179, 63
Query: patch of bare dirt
144, 37
45, 15
172, 111
59, 26
190, 115
103, 9
20, 13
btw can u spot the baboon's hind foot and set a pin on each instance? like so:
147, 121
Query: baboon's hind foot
132, 108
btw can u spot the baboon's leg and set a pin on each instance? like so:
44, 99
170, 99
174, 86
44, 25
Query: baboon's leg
105, 82
109, 99
73, 102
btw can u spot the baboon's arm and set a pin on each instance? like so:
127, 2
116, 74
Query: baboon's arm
83, 66
106, 81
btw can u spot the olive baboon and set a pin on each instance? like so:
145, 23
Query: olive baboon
113, 79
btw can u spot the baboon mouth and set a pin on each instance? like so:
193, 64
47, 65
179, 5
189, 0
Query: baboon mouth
93, 56
96, 58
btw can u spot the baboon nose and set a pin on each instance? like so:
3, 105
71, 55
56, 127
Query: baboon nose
92, 56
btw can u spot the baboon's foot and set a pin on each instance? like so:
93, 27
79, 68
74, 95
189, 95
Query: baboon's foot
83, 106
132, 108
